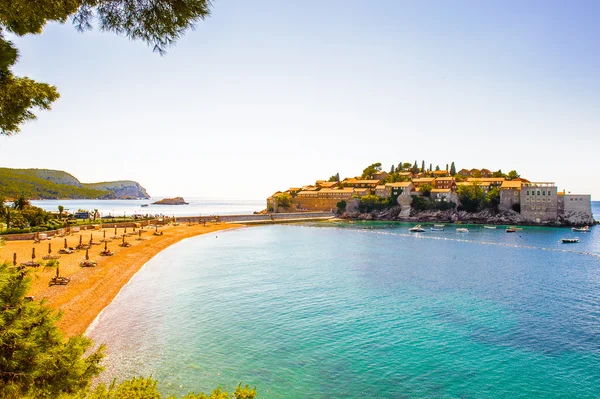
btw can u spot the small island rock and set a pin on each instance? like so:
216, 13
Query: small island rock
171, 201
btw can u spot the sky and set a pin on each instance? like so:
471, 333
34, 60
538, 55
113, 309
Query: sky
267, 95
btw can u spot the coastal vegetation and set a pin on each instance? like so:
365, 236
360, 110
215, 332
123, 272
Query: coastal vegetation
37, 361
55, 184
159, 23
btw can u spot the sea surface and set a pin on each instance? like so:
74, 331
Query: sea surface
364, 310
196, 207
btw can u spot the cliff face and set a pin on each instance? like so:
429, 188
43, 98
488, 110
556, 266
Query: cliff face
54, 184
120, 189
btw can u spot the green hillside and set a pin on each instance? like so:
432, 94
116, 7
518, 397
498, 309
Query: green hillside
53, 184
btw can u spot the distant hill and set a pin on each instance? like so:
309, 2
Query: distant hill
53, 184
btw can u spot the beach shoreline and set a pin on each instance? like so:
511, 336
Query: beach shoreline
91, 289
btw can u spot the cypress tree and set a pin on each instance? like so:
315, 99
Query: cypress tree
452, 169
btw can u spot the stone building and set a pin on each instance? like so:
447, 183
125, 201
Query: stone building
575, 208
539, 202
510, 194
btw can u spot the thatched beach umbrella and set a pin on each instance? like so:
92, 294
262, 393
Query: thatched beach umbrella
49, 248
57, 270
125, 230
115, 229
66, 244
140, 233
123, 238
105, 246
91, 237
156, 228
33, 253
87, 255
80, 240
104, 235
14, 259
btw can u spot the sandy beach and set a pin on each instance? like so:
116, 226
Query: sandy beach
93, 288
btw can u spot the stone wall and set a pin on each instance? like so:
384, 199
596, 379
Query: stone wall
577, 209
316, 204
509, 197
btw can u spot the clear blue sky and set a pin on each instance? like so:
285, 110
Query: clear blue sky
265, 95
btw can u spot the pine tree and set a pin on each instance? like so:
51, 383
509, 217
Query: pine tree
35, 359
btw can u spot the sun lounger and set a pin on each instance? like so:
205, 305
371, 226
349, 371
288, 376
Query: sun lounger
88, 263
59, 281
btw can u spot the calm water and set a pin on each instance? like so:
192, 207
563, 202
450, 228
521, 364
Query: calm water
364, 310
196, 207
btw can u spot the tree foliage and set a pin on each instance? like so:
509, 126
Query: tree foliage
284, 200
370, 203
159, 23
471, 196
452, 169
35, 359
426, 190
369, 170
512, 175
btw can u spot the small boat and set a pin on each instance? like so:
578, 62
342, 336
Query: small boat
144, 205
417, 229
510, 229
583, 229
569, 240
437, 229
438, 225
462, 230
489, 227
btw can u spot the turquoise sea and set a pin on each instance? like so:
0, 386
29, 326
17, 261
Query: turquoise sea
364, 310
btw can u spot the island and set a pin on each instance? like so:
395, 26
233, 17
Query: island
413, 193
171, 201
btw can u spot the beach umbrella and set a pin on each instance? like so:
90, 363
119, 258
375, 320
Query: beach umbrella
49, 248
87, 255
14, 259
80, 240
105, 246
115, 229
125, 230
156, 228
66, 243
140, 233
33, 253
57, 271
123, 239
91, 237
104, 234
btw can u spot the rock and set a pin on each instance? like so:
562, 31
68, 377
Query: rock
171, 201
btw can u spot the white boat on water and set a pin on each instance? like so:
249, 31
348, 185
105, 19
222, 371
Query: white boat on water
438, 225
437, 229
583, 229
417, 229
489, 227
569, 240
462, 230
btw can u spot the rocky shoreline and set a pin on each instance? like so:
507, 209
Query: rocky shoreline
171, 201
454, 216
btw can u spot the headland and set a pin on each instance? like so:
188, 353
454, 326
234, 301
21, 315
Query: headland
410, 193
